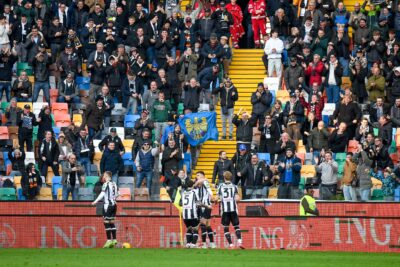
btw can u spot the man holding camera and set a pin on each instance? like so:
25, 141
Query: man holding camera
73, 176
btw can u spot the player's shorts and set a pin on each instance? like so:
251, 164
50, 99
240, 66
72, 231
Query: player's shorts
191, 222
205, 213
229, 217
109, 212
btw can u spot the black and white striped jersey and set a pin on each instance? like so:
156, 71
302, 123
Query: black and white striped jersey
226, 193
110, 190
204, 193
189, 204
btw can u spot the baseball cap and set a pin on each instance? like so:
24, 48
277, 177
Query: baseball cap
27, 106
113, 130
242, 147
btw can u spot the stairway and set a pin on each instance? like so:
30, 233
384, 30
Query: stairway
246, 71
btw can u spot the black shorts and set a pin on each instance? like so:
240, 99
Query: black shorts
229, 217
205, 213
191, 222
109, 212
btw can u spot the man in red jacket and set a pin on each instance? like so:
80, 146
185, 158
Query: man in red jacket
257, 10
314, 70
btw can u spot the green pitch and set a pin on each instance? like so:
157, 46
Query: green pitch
190, 258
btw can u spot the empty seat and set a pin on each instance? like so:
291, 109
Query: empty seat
85, 194
308, 171
62, 120
59, 108
187, 162
22, 104
117, 120
30, 158
126, 181
127, 158
17, 181
8, 194
56, 131
37, 107
164, 194
55, 184
20, 195
128, 143
352, 146
129, 120
45, 194
94, 170
340, 157
118, 109
141, 194
301, 156
77, 119
124, 194
90, 181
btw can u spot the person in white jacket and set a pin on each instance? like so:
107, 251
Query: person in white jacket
273, 49
4, 32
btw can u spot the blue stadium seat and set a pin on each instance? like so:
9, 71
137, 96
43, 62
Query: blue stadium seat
266, 157
55, 184
129, 120
127, 158
20, 195
56, 131
187, 161
82, 80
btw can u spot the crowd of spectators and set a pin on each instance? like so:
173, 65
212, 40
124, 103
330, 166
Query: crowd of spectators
159, 62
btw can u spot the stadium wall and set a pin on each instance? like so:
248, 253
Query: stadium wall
36, 225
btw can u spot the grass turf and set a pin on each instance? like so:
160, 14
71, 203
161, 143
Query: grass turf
193, 257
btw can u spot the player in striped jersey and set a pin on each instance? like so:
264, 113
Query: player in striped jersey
228, 196
205, 194
109, 193
189, 203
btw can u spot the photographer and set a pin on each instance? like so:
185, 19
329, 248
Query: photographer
40, 65
73, 177
132, 89
228, 94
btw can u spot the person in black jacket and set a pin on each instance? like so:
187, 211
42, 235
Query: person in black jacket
270, 134
381, 156
228, 95
144, 122
191, 101
244, 129
48, 154
17, 161
68, 62
294, 116
111, 161
40, 65
239, 160
171, 156
112, 137
45, 122
261, 100
223, 20
22, 88
31, 182
98, 76
26, 120
68, 90
7, 61
385, 130
83, 149
132, 90
256, 176
283, 144
57, 33
108, 105
209, 80
338, 139
348, 112
163, 47
378, 109
220, 166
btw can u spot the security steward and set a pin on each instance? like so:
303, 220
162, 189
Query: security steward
308, 206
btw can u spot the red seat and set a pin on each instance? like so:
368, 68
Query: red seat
301, 156
125, 194
59, 108
53, 95
352, 146
4, 133
62, 120
395, 158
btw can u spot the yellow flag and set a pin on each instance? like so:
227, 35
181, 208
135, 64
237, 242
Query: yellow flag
178, 199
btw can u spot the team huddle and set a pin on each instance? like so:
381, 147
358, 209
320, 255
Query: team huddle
196, 202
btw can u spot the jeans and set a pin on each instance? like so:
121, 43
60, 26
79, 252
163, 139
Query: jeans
133, 103
66, 189
151, 54
265, 192
114, 178
345, 64
46, 90
94, 91
289, 191
333, 93
5, 86
140, 178
275, 64
86, 163
55, 48
75, 100
227, 118
20, 99
365, 194
327, 192
349, 193
93, 134
159, 128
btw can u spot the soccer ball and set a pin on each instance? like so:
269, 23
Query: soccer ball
126, 245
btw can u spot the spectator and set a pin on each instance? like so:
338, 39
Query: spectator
273, 49
257, 178
261, 100
348, 112
7, 61
111, 161
64, 147
150, 96
220, 166
316, 106
338, 139
108, 105
376, 85
41, 63
57, 33
363, 130
318, 139
26, 120
341, 43
375, 48
314, 70
228, 94
45, 122
22, 88
293, 75
356, 16
333, 79
144, 162
73, 177
395, 113
388, 180
313, 13
17, 158
328, 170
294, 116
191, 101
68, 90
98, 72
160, 112
171, 156
144, 122
283, 144
12, 112
244, 129
385, 130
364, 164
257, 10
306, 128
48, 154
358, 74
94, 117
289, 167
270, 134
394, 83
224, 20
350, 180
83, 149
188, 66
69, 61
239, 161
381, 156
112, 137
209, 80
140, 140
31, 182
